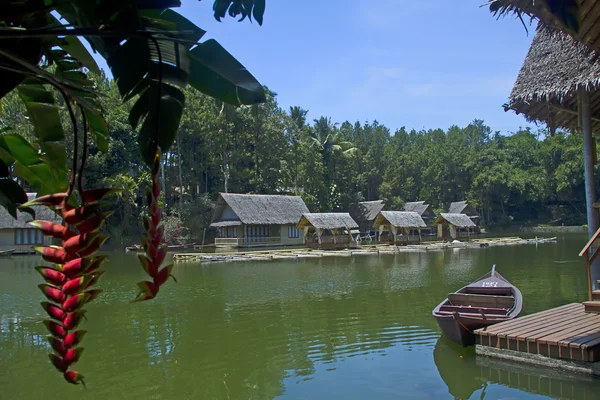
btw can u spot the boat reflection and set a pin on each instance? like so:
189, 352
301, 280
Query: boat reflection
468, 376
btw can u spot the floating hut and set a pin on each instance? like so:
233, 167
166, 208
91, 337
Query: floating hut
364, 213
453, 226
18, 234
463, 207
327, 229
399, 227
256, 220
558, 85
426, 212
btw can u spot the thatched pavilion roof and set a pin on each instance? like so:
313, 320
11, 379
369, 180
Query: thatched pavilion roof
327, 221
458, 220
366, 210
41, 213
546, 88
589, 32
258, 209
400, 219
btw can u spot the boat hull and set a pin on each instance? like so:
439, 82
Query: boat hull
458, 320
460, 329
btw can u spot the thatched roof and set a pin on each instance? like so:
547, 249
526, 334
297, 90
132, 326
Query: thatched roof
457, 207
458, 220
258, 209
401, 219
41, 213
327, 221
589, 32
424, 210
546, 88
366, 210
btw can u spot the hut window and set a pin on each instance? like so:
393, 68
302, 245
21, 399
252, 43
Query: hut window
28, 236
293, 232
231, 232
255, 231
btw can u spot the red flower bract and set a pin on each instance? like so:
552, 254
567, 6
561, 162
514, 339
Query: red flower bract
154, 252
71, 281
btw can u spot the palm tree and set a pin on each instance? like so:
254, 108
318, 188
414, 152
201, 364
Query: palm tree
326, 137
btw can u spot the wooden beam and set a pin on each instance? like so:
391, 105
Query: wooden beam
570, 111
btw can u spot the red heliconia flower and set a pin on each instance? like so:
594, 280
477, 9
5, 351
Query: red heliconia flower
75, 273
155, 252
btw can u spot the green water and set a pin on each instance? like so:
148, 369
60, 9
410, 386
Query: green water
336, 327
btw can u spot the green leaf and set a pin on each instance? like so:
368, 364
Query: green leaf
568, 13
43, 111
19, 149
130, 63
259, 11
75, 48
179, 22
11, 195
172, 101
217, 73
4, 172
99, 128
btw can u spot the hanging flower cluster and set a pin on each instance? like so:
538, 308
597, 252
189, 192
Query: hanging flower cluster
74, 272
152, 242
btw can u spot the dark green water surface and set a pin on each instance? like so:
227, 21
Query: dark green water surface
330, 328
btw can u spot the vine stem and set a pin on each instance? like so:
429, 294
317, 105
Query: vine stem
84, 152
158, 97
75, 143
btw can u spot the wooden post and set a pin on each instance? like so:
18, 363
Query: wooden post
203, 236
588, 163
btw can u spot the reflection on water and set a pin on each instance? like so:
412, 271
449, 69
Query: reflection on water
335, 327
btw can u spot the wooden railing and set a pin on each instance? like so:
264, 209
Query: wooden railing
261, 240
226, 241
246, 241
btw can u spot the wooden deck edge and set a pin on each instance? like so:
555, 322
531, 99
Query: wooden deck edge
579, 367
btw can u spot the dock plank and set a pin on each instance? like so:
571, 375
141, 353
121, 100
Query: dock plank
517, 322
563, 332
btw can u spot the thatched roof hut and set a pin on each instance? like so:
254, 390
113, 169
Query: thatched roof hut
458, 220
463, 207
41, 213
365, 212
257, 209
546, 87
400, 219
338, 224
18, 234
589, 31
423, 209
328, 221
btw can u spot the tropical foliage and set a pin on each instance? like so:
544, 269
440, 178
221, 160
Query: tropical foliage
153, 53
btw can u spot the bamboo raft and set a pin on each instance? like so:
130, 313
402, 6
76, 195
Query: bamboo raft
284, 254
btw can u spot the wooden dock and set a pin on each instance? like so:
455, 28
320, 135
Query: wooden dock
566, 332
275, 254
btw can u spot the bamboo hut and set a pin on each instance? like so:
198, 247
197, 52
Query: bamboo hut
425, 211
453, 226
327, 229
19, 235
364, 213
256, 220
399, 227
558, 85
463, 207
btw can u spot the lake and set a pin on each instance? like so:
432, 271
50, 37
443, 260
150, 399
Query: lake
335, 327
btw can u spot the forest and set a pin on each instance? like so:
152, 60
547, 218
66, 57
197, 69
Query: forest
520, 178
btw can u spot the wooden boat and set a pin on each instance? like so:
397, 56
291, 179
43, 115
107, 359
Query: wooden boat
7, 253
135, 247
487, 301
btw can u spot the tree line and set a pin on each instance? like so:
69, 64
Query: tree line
523, 177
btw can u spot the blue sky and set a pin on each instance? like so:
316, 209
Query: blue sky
419, 64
